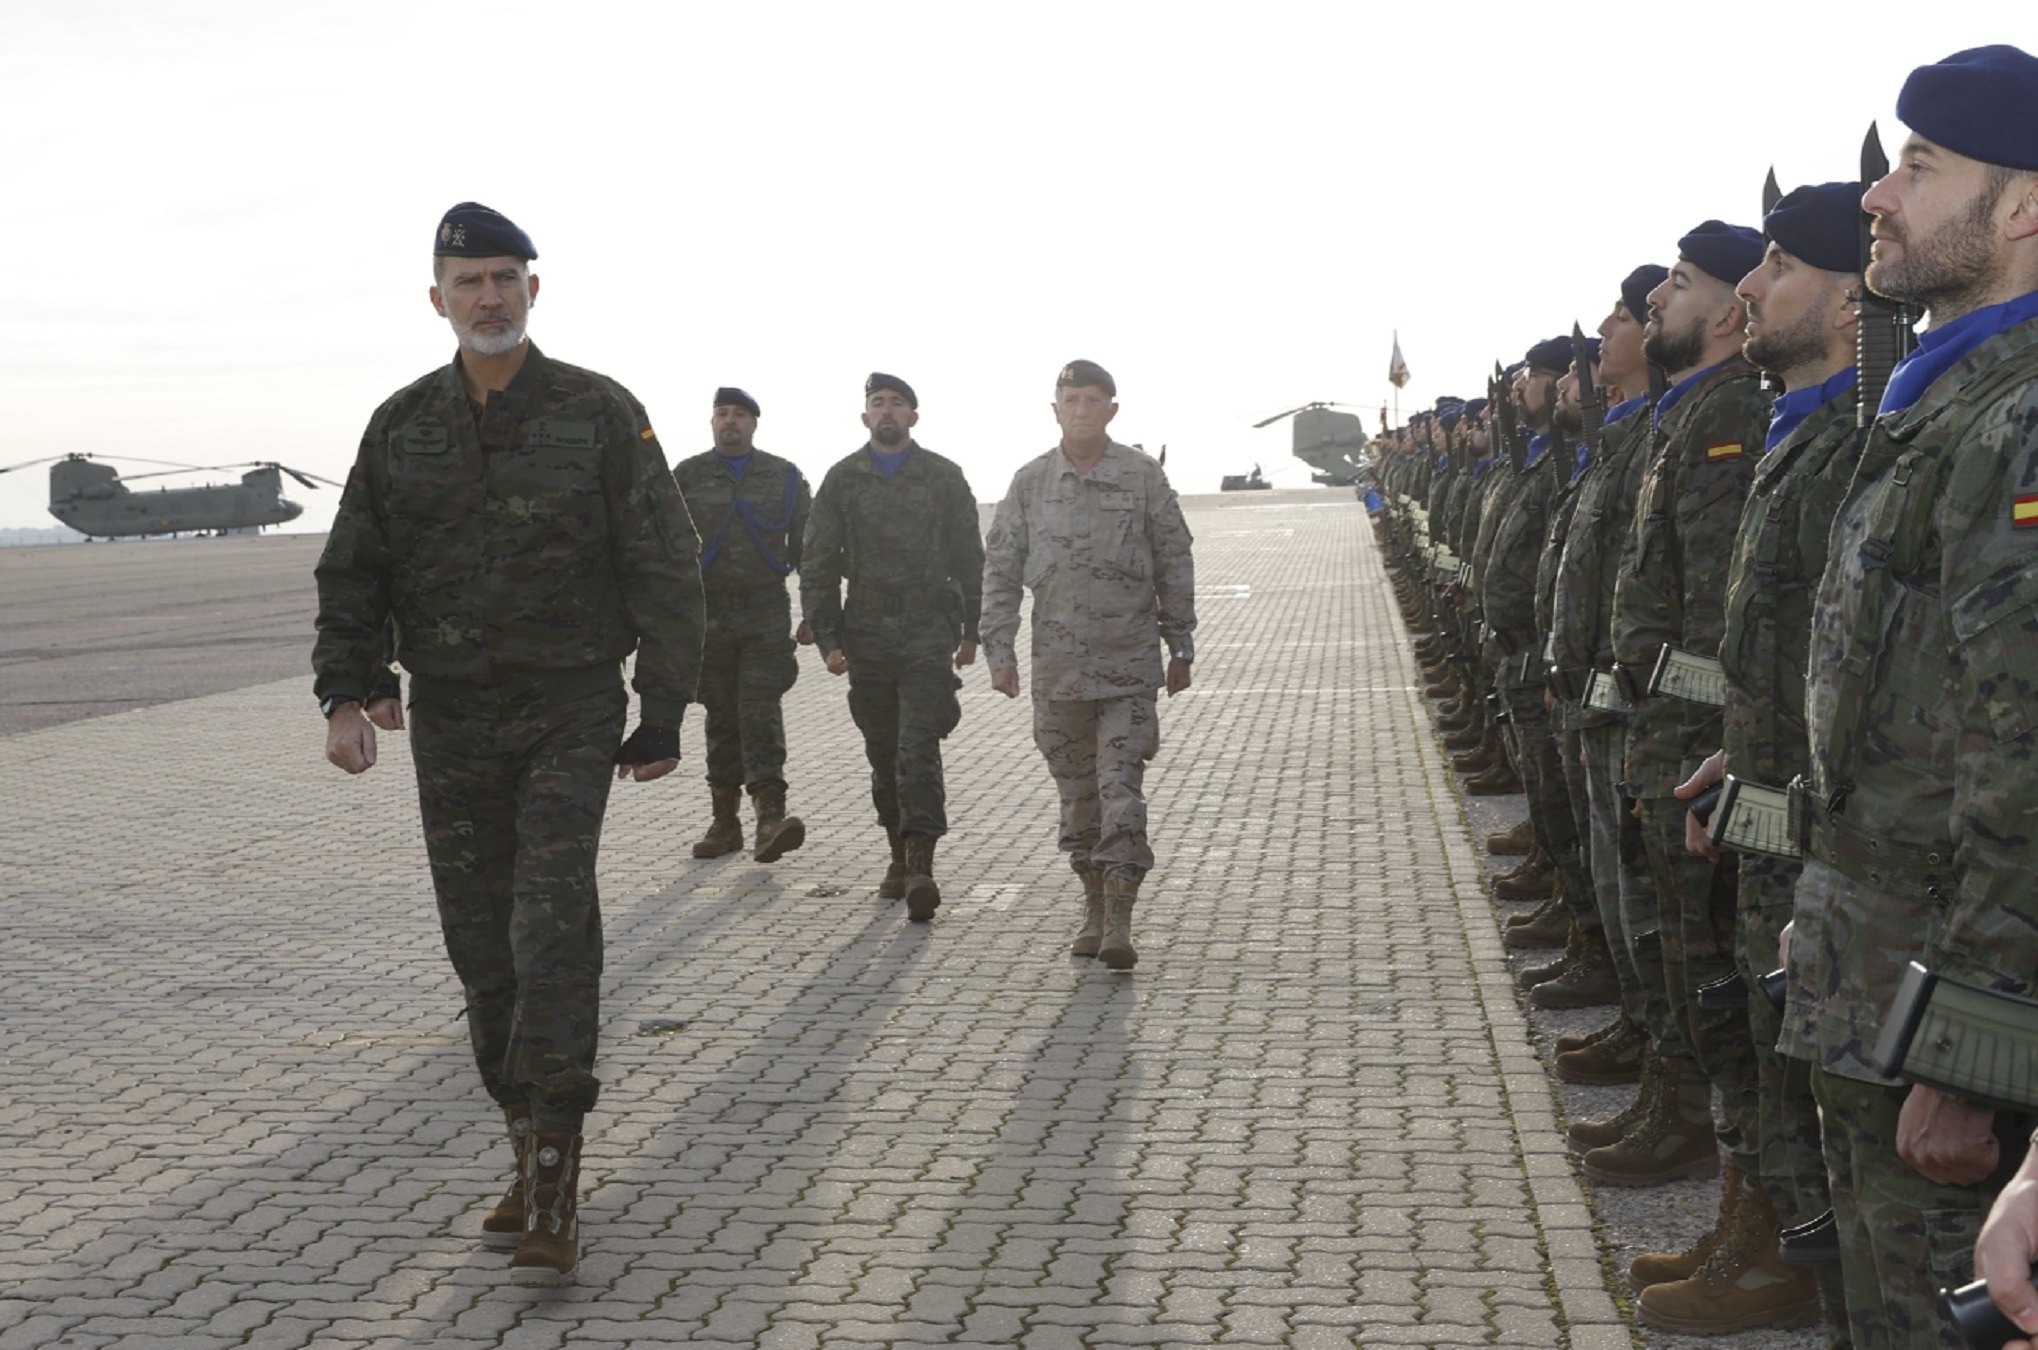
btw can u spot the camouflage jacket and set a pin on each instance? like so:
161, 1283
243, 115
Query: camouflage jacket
1581, 598
1922, 701
751, 527
1563, 509
1779, 556
1507, 576
908, 545
1672, 580
544, 536
1107, 557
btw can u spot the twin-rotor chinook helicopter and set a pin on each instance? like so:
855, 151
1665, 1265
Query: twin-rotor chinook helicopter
91, 498
1329, 442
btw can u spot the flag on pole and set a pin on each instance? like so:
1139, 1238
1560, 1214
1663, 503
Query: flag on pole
1397, 369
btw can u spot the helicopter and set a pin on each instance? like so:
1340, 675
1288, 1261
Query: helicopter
1327, 441
91, 498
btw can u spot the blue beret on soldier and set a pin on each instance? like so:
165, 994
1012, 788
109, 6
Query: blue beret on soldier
1819, 223
1977, 103
1551, 354
1725, 252
1474, 408
471, 230
1086, 375
729, 394
1634, 292
1591, 350
879, 380
1449, 410
1513, 370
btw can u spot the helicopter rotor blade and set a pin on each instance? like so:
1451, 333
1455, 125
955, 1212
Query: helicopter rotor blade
310, 480
1278, 416
31, 463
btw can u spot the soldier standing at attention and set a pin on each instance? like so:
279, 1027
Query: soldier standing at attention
754, 508
1921, 695
1094, 530
899, 524
514, 517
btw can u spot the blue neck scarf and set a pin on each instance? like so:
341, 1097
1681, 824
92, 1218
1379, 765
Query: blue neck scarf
1677, 391
1538, 446
890, 462
1443, 462
735, 464
1798, 404
1481, 469
1942, 348
1613, 414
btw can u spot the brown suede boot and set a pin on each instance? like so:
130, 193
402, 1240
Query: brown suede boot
725, 831
1673, 1143
1583, 1136
1092, 935
1443, 686
1653, 1268
1514, 842
1547, 926
550, 1249
777, 833
504, 1225
923, 896
1117, 952
1743, 1283
1533, 976
1468, 737
1477, 760
893, 887
1613, 1058
1498, 781
1564, 1045
1535, 879
1588, 982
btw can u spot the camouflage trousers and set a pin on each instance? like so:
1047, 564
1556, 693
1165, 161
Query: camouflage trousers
1700, 927
1626, 891
905, 705
512, 808
1902, 1237
1098, 750
1534, 745
747, 665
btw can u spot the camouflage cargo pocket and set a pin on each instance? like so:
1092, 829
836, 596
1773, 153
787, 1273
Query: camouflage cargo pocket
1996, 624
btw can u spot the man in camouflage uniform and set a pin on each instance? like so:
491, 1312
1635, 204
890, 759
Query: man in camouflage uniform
513, 516
1923, 686
1095, 532
754, 507
899, 524
1801, 328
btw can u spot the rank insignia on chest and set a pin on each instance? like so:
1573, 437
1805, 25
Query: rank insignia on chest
1731, 450
2024, 511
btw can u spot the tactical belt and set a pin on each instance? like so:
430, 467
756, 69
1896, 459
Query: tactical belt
517, 694
1870, 859
730, 597
865, 598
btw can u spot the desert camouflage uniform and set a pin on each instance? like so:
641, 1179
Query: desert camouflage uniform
523, 552
1107, 557
910, 550
1920, 705
752, 528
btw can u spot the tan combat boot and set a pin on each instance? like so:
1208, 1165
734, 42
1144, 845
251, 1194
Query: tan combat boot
1534, 879
923, 897
893, 887
550, 1249
1674, 1142
1532, 976
1654, 1268
1477, 760
1547, 926
1564, 1045
1092, 936
1498, 781
1464, 737
1512, 843
1583, 1136
1743, 1283
504, 1225
777, 833
725, 831
1119, 895
1614, 1057
1588, 981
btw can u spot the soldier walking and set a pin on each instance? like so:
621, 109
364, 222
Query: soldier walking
754, 507
899, 524
1095, 532
514, 517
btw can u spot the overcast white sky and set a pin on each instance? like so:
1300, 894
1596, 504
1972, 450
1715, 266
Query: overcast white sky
218, 215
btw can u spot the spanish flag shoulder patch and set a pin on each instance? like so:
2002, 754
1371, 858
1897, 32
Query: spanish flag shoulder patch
1731, 450
2024, 511
647, 434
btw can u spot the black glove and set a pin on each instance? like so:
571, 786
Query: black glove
648, 745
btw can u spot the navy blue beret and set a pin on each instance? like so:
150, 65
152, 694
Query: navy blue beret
1513, 370
1634, 292
1475, 407
879, 380
1086, 374
471, 230
1726, 252
1591, 350
1820, 223
1551, 354
1977, 103
730, 394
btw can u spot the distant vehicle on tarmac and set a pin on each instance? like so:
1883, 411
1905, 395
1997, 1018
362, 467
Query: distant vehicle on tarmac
1243, 482
1332, 443
90, 497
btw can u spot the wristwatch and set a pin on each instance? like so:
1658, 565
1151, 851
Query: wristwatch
334, 702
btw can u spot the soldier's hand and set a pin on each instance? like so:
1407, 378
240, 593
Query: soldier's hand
350, 739
966, 654
1946, 1139
2007, 1247
386, 713
1006, 681
651, 752
837, 663
1703, 778
1178, 675
804, 634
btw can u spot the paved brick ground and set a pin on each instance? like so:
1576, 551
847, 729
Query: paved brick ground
236, 1104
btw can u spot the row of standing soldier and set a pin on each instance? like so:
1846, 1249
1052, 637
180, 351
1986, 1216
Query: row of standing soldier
1654, 573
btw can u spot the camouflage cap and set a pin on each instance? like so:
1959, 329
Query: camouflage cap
1086, 374
471, 230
